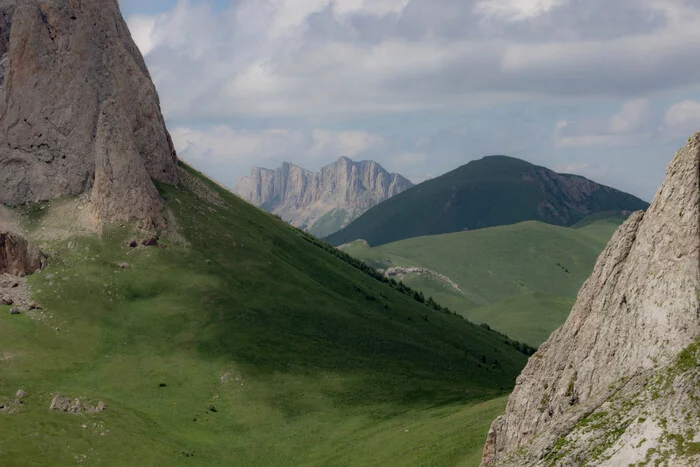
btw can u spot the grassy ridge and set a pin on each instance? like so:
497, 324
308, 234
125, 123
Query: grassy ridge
493, 191
249, 346
521, 279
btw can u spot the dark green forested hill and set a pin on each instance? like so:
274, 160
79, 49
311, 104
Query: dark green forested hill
495, 190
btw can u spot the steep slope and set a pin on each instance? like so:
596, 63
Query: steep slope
78, 110
240, 341
521, 279
618, 383
321, 202
496, 190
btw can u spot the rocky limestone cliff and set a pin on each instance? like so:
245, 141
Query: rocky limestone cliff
19, 257
618, 383
302, 197
78, 110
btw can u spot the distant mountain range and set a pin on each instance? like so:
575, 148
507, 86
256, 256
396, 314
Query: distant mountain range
323, 202
495, 190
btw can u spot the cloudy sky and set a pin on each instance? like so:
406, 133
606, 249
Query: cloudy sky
609, 89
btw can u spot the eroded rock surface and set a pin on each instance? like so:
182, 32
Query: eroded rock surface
632, 319
78, 110
65, 404
302, 197
18, 257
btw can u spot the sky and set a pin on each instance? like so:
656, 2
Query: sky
608, 89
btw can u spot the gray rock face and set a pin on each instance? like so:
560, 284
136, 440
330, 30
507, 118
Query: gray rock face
302, 197
19, 257
78, 110
62, 403
633, 317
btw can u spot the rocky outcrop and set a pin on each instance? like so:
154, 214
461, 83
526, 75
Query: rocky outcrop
346, 189
18, 257
400, 273
618, 382
78, 110
568, 197
65, 404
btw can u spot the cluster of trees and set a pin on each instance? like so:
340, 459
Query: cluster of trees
522, 347
406, 290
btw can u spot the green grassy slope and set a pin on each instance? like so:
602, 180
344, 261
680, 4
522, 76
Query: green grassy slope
496, 190
601, 226
520, 279
250, 346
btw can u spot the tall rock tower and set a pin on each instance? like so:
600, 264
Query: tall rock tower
78, 110
619, 382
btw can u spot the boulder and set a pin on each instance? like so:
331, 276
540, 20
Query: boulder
60, 403
18, 257
150, 241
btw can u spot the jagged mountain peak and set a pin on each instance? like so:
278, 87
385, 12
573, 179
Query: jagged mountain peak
334, 196
633, 317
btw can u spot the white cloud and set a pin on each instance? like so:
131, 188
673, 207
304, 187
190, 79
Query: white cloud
684, 116
141, 27
374, 7
515, 10
634, 115
408, 159
269, 58
344, 143
585, 141
630, 126
292, 13
223, 144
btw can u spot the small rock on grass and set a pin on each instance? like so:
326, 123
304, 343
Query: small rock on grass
21, 394
150, 241
76, 406
15, 311
60, 403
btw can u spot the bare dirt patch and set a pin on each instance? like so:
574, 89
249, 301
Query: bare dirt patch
62, 219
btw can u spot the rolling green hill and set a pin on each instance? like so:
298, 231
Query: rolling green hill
242, 341
495, 190
521, 279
